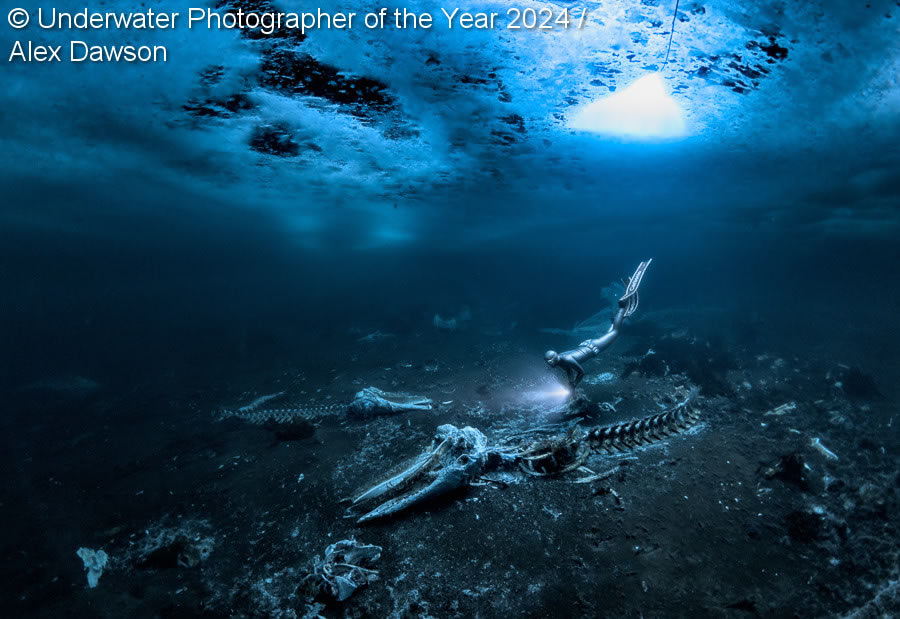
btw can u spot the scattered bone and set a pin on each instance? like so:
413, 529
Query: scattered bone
616, 496
784, 409
553, 514
95, 561
345, 568
818, 446
592, 477
371, 402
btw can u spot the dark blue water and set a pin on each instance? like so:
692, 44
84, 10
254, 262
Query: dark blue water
287, 216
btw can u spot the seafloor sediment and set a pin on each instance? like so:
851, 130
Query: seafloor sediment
203, 514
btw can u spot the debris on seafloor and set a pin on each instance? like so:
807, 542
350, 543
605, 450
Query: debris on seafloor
600, 379
805, 525
608, 407
784, 409
649, 365
371, 402
180, 552
295, 429
592, 477
853, 382
442, 324
790, 468
95, 561
345, 567
706, 362
375, 336
818, 446
454, 322
185, 544
886, 603
66, 386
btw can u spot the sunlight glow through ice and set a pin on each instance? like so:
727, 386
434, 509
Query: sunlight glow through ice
642, 110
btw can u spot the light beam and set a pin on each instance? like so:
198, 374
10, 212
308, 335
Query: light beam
644, 110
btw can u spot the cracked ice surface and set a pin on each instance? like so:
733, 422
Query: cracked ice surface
295, 124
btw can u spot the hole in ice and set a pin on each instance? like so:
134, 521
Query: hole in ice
643, 110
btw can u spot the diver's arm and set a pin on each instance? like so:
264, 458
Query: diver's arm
574, 372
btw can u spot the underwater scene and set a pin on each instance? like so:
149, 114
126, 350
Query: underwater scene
486, 309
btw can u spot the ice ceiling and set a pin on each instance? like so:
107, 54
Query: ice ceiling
783, 102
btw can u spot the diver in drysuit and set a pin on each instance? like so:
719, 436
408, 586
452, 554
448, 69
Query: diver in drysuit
571, 360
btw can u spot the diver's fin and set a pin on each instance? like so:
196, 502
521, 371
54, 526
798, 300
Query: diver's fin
631, 304
630, 299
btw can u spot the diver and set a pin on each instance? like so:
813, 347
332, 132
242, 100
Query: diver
571, 360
